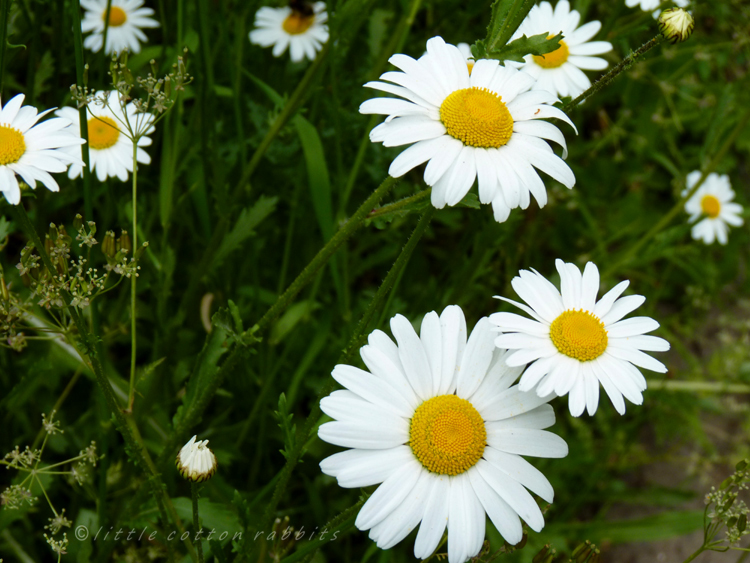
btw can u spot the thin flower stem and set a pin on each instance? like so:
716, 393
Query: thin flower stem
700, 550
693, 386
196, 521
133, 278
354, 343
666, 219
292, 105
107, 14
396, 206
4, 8
623, 65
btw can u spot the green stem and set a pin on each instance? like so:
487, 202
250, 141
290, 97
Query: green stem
623, 65
700, 550
396, 206
354, 343
693, 386
292, 105
196, 521
666, 219
133, 278
107, 13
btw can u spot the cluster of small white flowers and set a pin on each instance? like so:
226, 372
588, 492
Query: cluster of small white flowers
58, 546
50, 425
58, 522
26, 458
16, 496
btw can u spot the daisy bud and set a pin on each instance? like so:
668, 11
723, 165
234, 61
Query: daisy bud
676, 24
195, 461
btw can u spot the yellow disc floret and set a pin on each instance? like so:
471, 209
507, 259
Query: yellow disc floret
12, 145
117, 16
554, 59
103, 133
447, 435
711, 206
579, 335
297, 23
477, 117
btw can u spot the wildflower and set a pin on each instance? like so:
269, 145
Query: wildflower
676, 24
647, 5
575, 342
561, 71
58, 522
437, 424
713, 202
300, 26
481, 126
32, 150
195, 461
110, 140
126, 19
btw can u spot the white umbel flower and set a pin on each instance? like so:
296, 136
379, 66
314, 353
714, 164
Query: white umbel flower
126, 20
648, 5
195, 461
32, 150
301, 27
481, 126
110, 145
561, 71
437, 423
713, 202
575, 342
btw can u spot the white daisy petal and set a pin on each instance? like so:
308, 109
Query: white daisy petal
126, 19
303, 32
435, 518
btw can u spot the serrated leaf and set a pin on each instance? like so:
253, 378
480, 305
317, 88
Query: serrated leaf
535, 45
507, 16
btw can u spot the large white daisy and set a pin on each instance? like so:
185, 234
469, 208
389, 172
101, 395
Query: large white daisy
713, 202
32, 150
110, 146
561, 71
301, 27
648, 5
436, 422
576, 342
480, 126
126, 19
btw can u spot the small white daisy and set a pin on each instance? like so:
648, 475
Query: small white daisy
577, 342
32, 150
561, 71
110, 146
195, 461
299, 26
648, 5
437, 424
126, 19
713, 202
480, 126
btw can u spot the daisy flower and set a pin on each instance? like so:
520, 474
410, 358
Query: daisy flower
32, 150
196, 462
576, 342
436, 422
713, 202
561, 71
126, 19
648, 5
299, 26
480, 126
110, 143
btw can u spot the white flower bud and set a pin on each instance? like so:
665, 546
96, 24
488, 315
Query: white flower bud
195, 461
676, 24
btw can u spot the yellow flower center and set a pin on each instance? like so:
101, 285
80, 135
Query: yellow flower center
12, 145
447, 435
103, 133
117, 16
711, 206
297, 23
477, 117
579, 335
554, 59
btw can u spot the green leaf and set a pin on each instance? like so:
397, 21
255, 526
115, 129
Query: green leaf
507, 15
535, 45
214, 516
248, 220
291, 318
317, 173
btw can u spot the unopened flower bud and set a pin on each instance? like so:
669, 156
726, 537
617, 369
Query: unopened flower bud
123, 243
109, 247
195, 461
676, 24
4, 293
78, 222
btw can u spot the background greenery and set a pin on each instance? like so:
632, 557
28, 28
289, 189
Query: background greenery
211, 231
